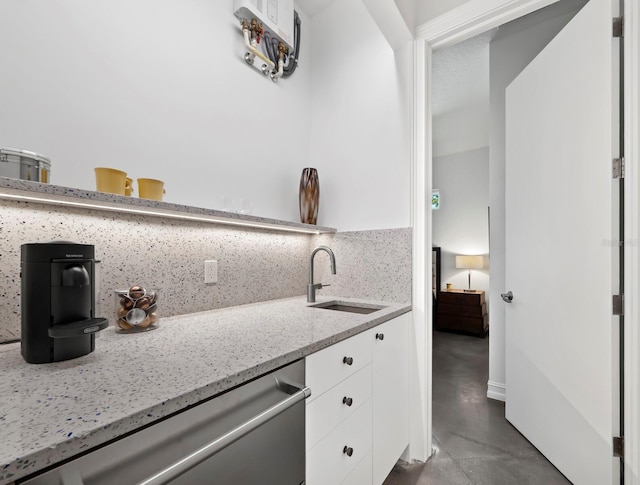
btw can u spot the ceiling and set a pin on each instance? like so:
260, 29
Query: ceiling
461, 75
461, 71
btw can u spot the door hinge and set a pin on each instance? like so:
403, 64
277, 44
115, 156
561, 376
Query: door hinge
618, 168
618, 27
618, 446
618, 304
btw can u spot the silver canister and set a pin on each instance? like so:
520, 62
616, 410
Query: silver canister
24, 165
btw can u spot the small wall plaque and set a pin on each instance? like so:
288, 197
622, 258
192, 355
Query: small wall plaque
435, 199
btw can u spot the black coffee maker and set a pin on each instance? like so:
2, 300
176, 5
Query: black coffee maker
58, 301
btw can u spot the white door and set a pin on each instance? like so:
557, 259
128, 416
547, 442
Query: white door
559, 357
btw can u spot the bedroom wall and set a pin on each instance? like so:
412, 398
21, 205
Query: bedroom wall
461, 225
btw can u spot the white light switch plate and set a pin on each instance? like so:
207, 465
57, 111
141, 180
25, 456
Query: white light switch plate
210, 271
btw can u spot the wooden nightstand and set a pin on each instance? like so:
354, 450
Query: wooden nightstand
462, 311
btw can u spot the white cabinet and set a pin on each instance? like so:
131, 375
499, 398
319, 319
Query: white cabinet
357, 418
337, 362
333, 459
336, 405
390, 394
361, 474
338, 412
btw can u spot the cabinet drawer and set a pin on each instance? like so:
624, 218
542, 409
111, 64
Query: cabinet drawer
361, 474
332, 365
462, 298
329, 410
327, 463
464, 310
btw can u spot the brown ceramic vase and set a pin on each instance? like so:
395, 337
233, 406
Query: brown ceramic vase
309, 196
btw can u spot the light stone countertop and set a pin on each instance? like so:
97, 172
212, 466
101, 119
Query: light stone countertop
50, 412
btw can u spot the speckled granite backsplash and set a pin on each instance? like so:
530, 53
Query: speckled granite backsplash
253, 265
374, 265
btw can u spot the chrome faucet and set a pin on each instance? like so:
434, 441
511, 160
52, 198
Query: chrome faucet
312, 287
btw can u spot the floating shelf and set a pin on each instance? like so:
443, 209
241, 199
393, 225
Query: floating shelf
25, 191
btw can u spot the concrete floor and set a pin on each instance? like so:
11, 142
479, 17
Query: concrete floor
474, 443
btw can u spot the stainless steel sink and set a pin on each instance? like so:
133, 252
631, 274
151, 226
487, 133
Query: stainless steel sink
348, 306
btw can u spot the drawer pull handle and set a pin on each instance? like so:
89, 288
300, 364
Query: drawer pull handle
380, 336
347, 400
347, 360
347, 450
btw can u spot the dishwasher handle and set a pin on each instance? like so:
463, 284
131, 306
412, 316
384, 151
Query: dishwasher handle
188, 462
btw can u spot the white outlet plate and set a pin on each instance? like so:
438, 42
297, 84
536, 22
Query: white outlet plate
210, 271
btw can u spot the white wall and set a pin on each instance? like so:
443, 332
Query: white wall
157, 88
460, 226
461, 130
360, 130
515, 45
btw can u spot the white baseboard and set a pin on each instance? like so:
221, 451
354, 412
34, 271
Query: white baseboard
497, 391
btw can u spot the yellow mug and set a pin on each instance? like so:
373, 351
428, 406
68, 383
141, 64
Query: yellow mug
449, 286
128, 187
151, 189
111, 180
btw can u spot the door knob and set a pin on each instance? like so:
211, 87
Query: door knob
507, 297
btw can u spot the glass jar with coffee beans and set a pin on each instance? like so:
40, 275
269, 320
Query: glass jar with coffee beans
136, 310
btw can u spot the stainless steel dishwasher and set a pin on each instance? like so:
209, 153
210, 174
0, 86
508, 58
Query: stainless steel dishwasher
253, 434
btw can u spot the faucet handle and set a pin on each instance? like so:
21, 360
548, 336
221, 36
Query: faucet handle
323, 285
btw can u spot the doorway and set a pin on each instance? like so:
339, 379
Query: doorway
468, 86
461, 156
482, 435
440, 35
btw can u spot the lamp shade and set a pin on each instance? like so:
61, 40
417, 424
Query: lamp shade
469, 262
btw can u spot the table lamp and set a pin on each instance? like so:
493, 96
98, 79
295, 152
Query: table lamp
469, 262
